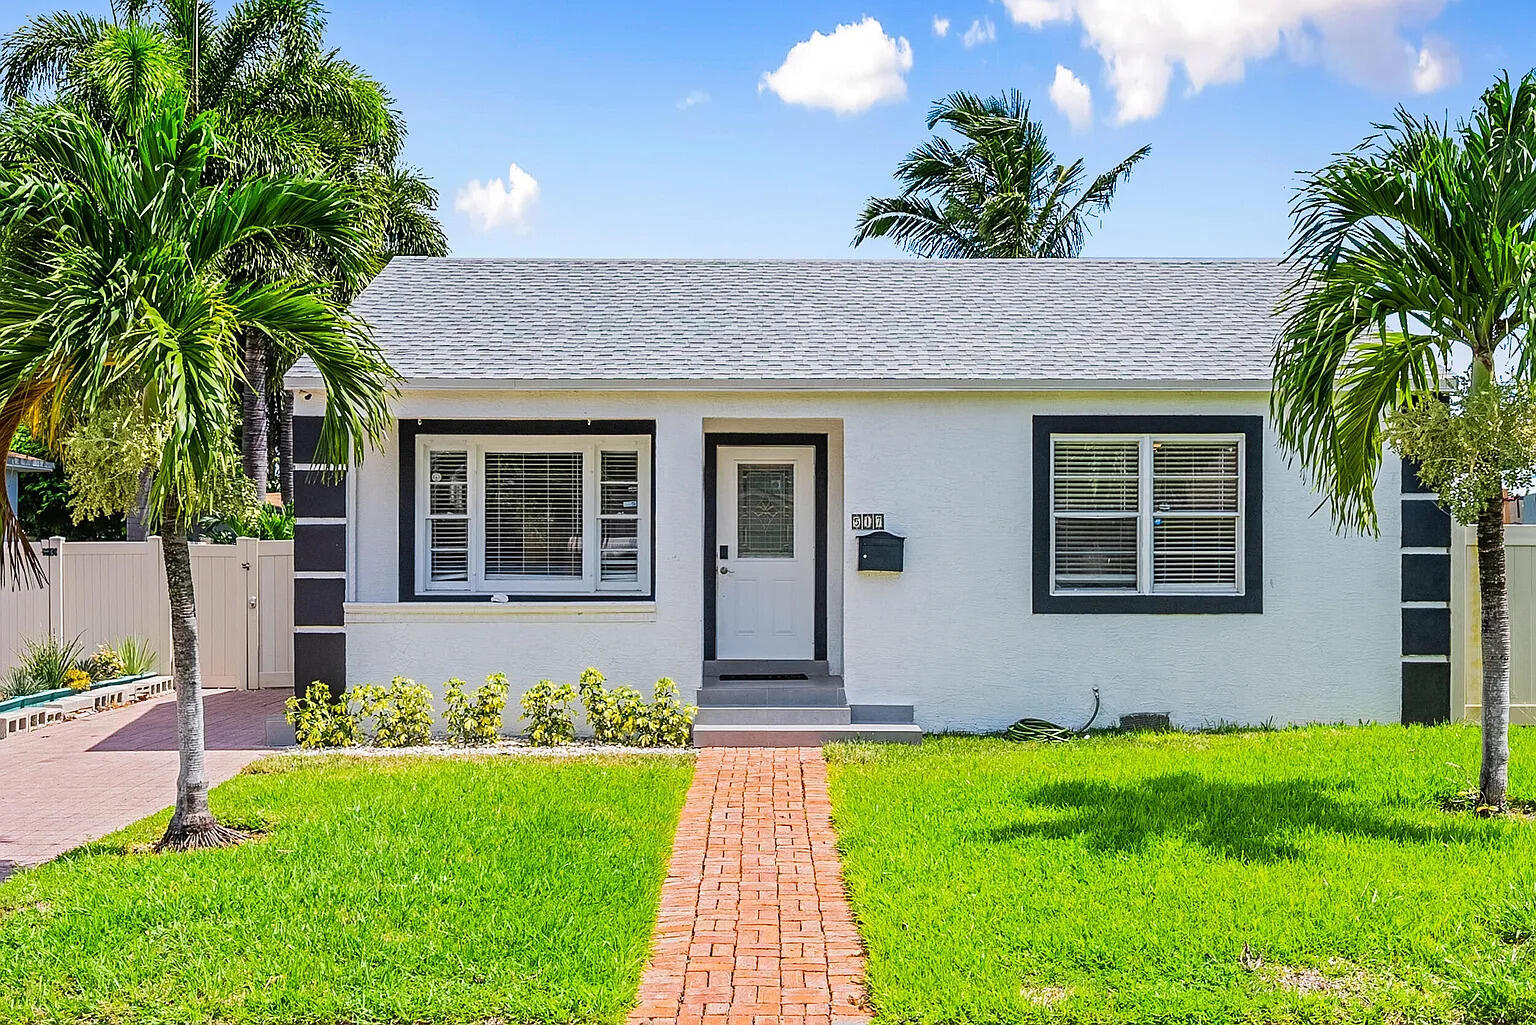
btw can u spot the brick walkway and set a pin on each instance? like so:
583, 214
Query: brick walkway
754, 925
71, 782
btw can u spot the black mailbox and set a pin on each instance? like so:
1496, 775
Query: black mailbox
881, 552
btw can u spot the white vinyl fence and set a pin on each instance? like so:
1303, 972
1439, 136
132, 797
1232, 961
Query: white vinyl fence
102, 591
1466, 637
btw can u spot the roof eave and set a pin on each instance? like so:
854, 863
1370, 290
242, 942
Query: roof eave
314, 384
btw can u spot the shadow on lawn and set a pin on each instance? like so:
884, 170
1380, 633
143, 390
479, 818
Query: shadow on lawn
1246, 821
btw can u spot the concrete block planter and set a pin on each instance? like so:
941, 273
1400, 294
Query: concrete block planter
30, 711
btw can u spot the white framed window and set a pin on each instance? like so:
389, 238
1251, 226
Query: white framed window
1147, 514
527, 515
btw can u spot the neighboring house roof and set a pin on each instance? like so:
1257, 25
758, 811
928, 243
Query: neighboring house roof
23, 463
1066, 322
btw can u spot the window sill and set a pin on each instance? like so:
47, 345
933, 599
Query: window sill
562, 610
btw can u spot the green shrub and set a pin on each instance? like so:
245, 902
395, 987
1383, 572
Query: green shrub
668, 722
320, 719
401, 712
104, 664
547, 709
622, 715
475, 720
137, 656
45, 664
614, 715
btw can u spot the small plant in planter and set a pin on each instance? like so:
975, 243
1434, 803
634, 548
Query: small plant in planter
474, 720
76, 678
104, 664
320, 719
547, 710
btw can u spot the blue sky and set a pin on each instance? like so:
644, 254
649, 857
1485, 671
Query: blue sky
589, 101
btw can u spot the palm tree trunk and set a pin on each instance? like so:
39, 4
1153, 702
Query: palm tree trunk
192, 824
136, 524
283, 441
253, 421
1493, 588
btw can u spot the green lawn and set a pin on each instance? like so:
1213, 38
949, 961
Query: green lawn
383, 890
1118, 879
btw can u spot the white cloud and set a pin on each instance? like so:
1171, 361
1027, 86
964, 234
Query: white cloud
1073, 98
1437, 65
1143, 42
696, 98
848, 71
981, 31
940, 26
500, 204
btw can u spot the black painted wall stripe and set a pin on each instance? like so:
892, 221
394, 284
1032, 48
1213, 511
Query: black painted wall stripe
318, 601
319, 546
1426, 631
306, 433
1425, 524
1426, 692
318, 494
1426, 577
319, 656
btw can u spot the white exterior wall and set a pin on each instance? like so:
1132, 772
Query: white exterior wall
953, 635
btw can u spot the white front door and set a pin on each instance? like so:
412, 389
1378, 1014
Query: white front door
766, 534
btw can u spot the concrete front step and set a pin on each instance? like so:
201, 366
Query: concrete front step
826, 692
773, 715
803, 735
764, 666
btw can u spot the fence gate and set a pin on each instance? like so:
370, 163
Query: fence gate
1466, 612
102, 591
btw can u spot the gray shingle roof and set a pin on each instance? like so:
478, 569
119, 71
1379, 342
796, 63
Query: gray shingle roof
1070, 321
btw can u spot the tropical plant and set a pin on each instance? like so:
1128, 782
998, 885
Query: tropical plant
473, 720
105, 663
43, 665
321, 718
137, 656
287, 104
1412, 252
400, 714
547, 710
1000, 193
112, 257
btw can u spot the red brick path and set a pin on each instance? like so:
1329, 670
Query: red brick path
754, 926
71, 782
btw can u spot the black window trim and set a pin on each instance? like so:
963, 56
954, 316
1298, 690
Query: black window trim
408, 430
1251, 601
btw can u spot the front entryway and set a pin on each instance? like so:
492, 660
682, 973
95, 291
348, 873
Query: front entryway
765, 587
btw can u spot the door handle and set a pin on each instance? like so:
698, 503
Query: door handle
724, 570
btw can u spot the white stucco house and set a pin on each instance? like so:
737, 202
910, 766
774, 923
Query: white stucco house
833, 497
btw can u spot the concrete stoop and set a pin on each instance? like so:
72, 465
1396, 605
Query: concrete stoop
789, 704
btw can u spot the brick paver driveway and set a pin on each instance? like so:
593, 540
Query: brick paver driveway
73, 782
754, 927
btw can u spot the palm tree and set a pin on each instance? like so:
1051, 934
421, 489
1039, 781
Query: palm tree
1415, 251
114, 296
287, 105
1000, 195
